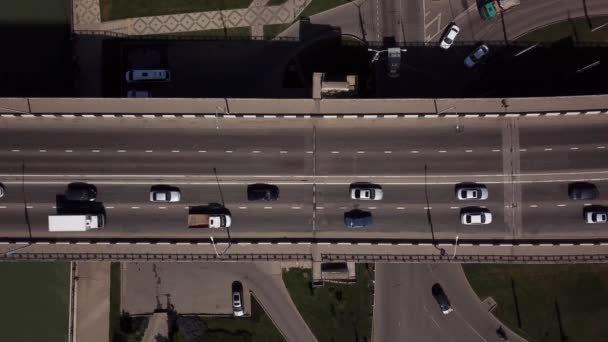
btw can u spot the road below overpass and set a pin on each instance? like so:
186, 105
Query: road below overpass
525, 162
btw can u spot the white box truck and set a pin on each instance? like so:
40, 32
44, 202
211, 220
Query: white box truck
209, 221
75, 223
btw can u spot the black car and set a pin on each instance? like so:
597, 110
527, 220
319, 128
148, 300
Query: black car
582, 191
81, 192
358, 219
262, 192
442, 299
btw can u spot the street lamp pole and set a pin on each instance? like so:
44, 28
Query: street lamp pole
455, 247
215, 249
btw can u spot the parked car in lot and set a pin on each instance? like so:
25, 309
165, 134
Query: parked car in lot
147, 75
479, 54
475, 216
394, 62
442, 299
366, 191
262, 192
81, 192
238, 309
133, 93
357, 218
449, 36
582, 191
164, 193
595, 214
2, 190
471, 191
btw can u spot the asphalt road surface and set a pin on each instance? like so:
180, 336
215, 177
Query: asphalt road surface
526, 164
405, 309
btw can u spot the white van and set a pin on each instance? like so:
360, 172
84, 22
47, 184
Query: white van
158, 75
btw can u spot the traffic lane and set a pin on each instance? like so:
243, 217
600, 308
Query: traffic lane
557, 192
155, 134
421, 134
227, 162
410, 196
441, 162
559, 220
586, 163
440, 222
562, 131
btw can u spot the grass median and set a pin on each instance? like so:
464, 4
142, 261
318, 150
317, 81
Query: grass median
36, 300
547, 302
334, 312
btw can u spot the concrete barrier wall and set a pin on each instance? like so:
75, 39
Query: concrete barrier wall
281, 107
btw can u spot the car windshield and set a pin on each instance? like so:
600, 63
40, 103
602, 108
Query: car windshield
357, 193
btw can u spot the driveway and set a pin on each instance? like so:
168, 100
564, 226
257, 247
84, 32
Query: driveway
405, 310
205, 288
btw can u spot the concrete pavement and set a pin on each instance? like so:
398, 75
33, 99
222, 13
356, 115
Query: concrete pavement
92, 302
405, 309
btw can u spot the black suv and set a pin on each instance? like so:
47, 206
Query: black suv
262, 192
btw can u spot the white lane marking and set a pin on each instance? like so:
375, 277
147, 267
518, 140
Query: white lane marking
134, 207
29, 206
601, 147
242, 207
229, 151
414, 151
309, 152
95, 151
371, 208
360, 152
202, 151
121, 151
109, 207
428, 208
548, 149
15, 150
42, 151
149, 151
343, 208
454, 207
523, 150
296, 207
496, 150
388, 152
468, 151
533, 205
335, 152
587, 204
573, 148
2, 207
267, 207
442, 151
320, 207
69, 151
255, 151
561, 205
282, 152
175, 151
400, 208
162, 208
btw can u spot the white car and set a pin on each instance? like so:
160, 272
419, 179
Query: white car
448, 38
1, 190
237, 304
596, 216
479, 54
164, 194
367, 192
472, 192
476, 218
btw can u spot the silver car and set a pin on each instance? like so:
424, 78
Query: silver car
237, 304
160, 193
366, 192
465, 192
476, 218
596, 215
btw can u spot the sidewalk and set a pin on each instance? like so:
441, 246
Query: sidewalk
92, 302
87, 17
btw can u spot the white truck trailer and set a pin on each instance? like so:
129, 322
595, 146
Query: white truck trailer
75, 223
